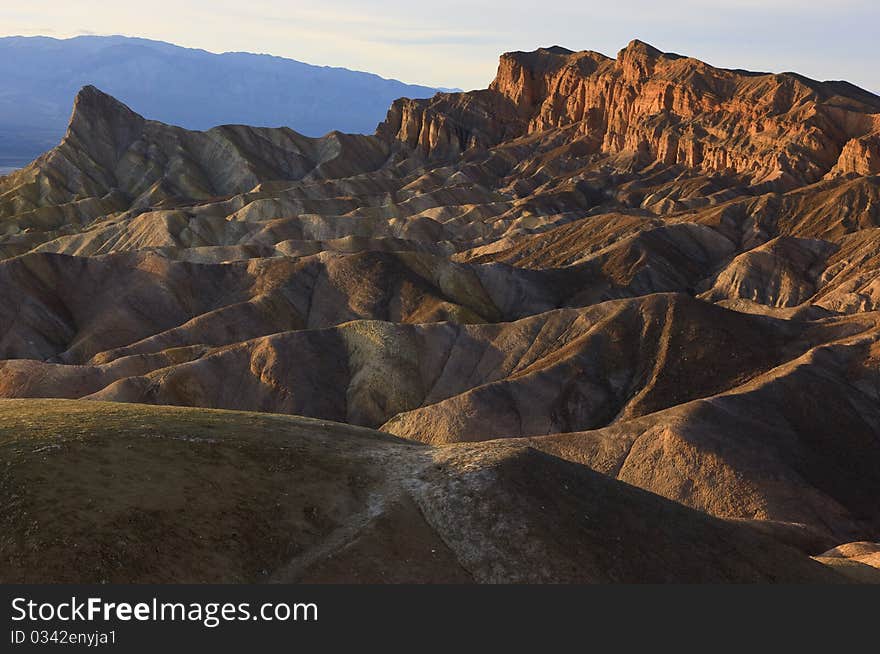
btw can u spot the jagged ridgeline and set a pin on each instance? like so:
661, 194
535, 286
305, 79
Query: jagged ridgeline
642, 270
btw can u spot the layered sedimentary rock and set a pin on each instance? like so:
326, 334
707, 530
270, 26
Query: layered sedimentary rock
860, 156
117, 158
774, 130
646, 266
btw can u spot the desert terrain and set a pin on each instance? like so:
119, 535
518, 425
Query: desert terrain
607, 320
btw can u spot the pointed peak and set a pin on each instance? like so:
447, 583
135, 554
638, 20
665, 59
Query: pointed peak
641, 49
102, 125
93, 104
88, 90
90, 97
638, 59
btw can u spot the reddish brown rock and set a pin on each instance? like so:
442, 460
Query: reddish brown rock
782, 130
860, 156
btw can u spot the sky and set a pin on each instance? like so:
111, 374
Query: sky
456, 43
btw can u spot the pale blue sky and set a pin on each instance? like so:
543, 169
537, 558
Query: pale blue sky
457, 42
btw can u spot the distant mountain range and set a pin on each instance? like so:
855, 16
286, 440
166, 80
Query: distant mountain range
191, 88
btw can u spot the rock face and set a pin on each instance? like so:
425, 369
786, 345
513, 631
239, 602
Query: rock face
858, 561
112, 158
644, 268
777, 131
860, 156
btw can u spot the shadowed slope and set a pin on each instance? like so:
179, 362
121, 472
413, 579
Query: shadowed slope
203, 496
116, 158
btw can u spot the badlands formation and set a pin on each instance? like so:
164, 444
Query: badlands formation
606, 320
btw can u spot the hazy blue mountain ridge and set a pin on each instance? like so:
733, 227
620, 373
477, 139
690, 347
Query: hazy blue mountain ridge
181, 86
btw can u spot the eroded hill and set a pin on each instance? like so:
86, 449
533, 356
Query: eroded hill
657, 270
207, 496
